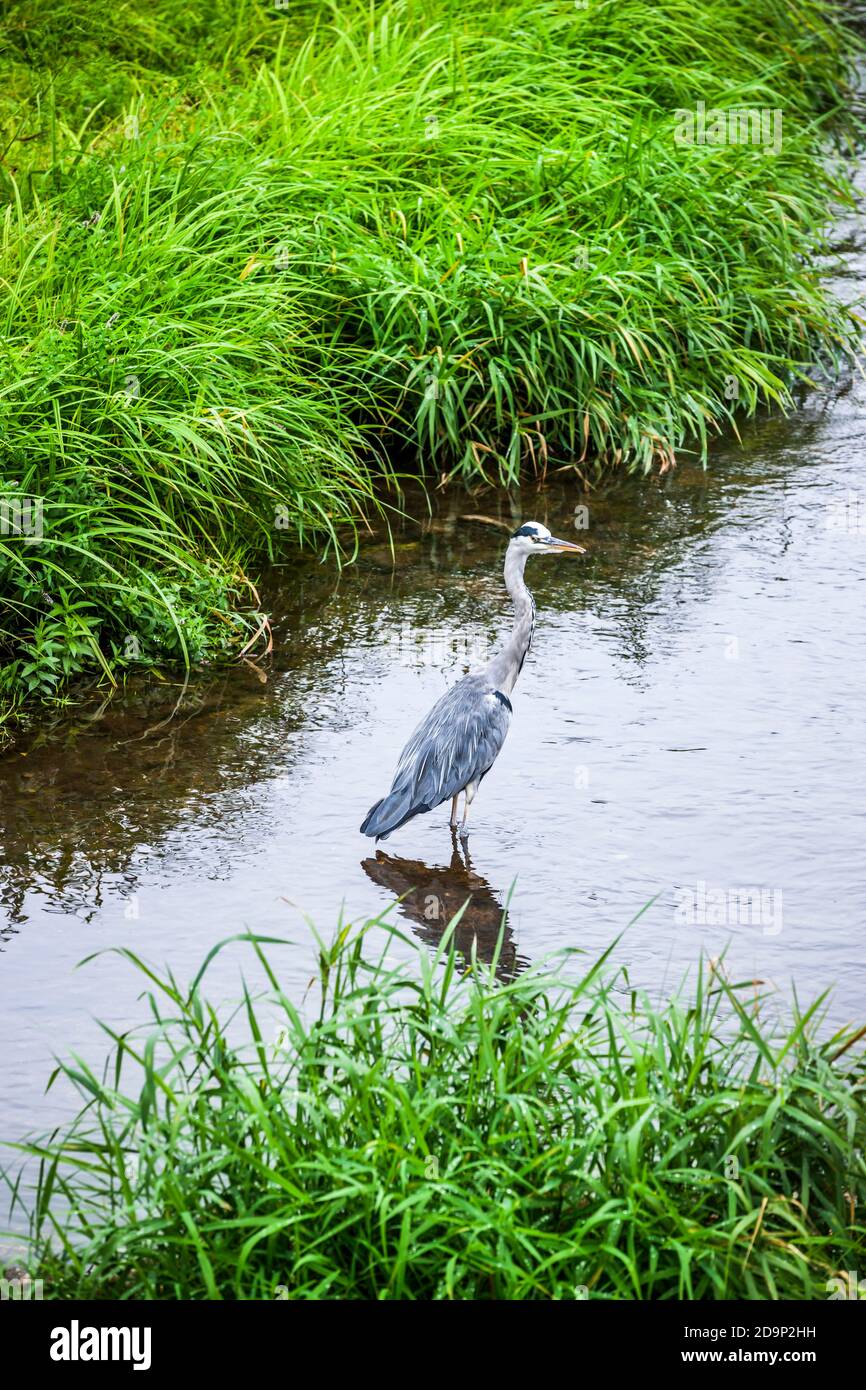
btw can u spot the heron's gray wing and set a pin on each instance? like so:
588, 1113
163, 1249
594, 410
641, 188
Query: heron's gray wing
457, 743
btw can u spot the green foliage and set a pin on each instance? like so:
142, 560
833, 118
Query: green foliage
426, 1133
252, 253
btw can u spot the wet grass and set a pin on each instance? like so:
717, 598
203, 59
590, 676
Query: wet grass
250, 253
423, 1131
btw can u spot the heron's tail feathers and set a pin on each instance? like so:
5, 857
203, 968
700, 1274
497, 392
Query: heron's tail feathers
390, 813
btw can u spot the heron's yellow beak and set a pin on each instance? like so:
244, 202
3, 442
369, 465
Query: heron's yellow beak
565, 546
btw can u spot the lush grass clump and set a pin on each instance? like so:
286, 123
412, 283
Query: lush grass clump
436, 1134
250, 252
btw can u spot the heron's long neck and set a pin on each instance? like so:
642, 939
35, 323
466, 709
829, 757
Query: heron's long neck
505, 667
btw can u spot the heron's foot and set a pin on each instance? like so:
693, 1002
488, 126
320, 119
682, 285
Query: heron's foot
460, 850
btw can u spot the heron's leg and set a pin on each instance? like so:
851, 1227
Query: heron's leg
469, 794
454, 812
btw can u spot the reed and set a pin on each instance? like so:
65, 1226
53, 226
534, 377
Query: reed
256, 260
424, 1130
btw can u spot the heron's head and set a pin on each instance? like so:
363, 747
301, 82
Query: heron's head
534, 539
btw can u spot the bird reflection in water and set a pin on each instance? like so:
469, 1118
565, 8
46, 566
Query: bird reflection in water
431, 896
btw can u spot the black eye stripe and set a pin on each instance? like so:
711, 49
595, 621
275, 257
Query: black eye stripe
528, 531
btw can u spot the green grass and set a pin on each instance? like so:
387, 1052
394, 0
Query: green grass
255, 260
426, 1131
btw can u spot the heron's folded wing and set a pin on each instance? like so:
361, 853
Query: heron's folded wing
456, 743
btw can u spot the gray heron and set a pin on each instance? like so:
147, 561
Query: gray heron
456, 745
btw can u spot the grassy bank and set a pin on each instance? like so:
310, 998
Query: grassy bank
427, 1132
254, 257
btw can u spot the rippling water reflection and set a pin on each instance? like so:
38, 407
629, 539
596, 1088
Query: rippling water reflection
431, 896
